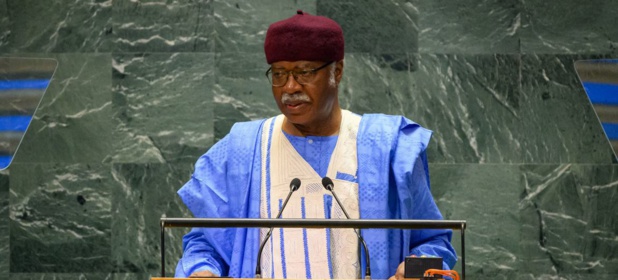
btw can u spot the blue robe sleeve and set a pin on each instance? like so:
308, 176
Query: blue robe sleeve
204, 194
412, 179
225, 184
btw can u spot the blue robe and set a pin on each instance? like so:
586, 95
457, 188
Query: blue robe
393, 181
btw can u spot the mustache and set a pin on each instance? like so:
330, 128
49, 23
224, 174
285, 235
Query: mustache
295, 97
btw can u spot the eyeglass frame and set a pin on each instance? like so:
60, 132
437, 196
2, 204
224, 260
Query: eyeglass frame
287, 76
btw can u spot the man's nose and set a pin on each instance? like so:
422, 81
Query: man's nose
291, 85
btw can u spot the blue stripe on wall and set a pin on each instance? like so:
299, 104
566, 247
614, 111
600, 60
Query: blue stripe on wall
611, 130
599, 93
14, 123
24, 84
4, 161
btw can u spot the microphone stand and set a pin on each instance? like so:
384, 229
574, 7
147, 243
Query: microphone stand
294, 185
328, 184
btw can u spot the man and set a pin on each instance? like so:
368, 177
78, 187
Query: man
377, 163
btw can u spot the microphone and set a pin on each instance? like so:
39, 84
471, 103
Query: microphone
294, 185
330, 186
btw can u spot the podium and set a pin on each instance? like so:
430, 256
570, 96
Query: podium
310, 223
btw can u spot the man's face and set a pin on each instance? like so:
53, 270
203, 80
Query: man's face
310, 103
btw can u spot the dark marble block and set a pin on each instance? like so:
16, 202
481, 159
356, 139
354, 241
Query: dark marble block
5, 25
486, 196
4, 224
471, 102
560, 125
240, 26
477, 26
79, 276
60, 217
146, 193
162, 106
58, 26
73, 122
568, 216
374, 26
242, 91
163, 26
569, 27
65, 276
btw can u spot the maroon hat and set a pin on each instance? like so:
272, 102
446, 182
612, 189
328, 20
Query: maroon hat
304, 37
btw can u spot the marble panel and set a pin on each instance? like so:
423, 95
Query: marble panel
147, 192
471, 102
73, 122
59, 26
79, 276
60, 217
568, 216
4, 224
5, 25
62, 276
565, 276
569, 27
242, 91
389, 26
163, 26
477, 26
240, 26
162, 106
560, 123
486, 196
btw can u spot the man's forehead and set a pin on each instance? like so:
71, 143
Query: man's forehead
295, 64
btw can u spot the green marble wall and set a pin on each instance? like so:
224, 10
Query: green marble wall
144, 87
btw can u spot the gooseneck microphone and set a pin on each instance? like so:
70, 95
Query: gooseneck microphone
294, 185
330, 186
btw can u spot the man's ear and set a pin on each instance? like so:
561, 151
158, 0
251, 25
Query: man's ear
338, 71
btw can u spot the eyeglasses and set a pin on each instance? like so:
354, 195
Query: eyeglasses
279, 78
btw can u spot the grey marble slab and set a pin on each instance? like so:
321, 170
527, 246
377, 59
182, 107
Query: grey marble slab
566, 276
4, 224
162, 106
568, 217
79, 276
59, 26
73, 122
5, 25
475, 26
569, 27
163, 26
240, 26
560, 125
486, 196
63, 276
375, 26
60, 217
242, 91
471, 102
146, 193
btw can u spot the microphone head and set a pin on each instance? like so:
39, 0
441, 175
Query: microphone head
328, 183
295, 184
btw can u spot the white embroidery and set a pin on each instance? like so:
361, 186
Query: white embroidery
286, 164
